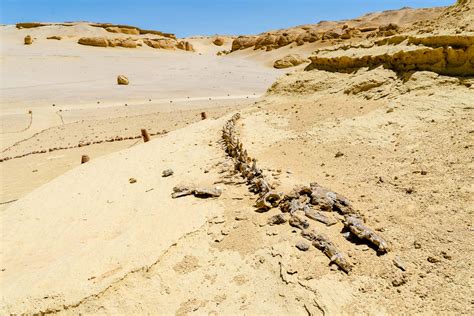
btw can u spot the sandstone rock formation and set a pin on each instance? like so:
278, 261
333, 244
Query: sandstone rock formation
161, 43
126, 43
289, 61
123, 30
104, 42
185, 45
122, 80
367, 26
218, 41
243, 42
94, 41
447, 55
132, 30
29, 25
28, 40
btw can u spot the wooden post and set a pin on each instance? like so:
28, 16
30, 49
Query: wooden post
203, 115
84, 159
145, 135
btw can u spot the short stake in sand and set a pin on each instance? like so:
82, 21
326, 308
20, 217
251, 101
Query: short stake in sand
203, 115
146, 137
84, 159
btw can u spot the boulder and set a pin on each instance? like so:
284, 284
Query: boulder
218, 41
289, 61
331, 35
28, 40
94, 41
243, 42
161, 43
54, 37
184, 45
127, 43
122, 80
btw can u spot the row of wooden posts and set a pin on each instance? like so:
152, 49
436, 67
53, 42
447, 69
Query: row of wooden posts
145, 136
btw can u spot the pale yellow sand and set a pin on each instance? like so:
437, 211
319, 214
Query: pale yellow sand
82, 239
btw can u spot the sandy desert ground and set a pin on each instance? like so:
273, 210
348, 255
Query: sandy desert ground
378, 109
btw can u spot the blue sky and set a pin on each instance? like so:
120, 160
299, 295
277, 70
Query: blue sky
203, 17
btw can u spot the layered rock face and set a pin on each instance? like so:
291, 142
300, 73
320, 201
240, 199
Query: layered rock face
158, 43
335, 32
446, 55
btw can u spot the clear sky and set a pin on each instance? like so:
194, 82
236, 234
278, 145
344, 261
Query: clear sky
200, 17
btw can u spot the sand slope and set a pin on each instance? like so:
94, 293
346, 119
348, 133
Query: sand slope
94, 227
396, 141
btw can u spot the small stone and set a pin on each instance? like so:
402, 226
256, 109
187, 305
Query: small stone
132, 180
433, 259
167, 173
122, 80
423, 172
225, 232
446, 255
338, 154
399, 281
303, 246
389, 110
277, 219
241, 218
417, 244
397, 261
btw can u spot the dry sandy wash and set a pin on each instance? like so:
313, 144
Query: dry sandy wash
377, 109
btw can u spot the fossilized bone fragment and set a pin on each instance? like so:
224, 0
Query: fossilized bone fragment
323, 243
180, 191
277, 219
268, 201
297, 220
357, 228
328, 200
318, 216
207, 192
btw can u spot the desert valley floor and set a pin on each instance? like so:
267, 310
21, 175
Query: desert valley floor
378, 109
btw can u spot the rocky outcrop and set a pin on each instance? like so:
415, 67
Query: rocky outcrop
161, 43
218, 41
185, 45
442, 60
289, 61
122, 80
243, 42
29, 25
28, 40
126, 43
123, 30
94, 41
388, 30
132, 30
105, 42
